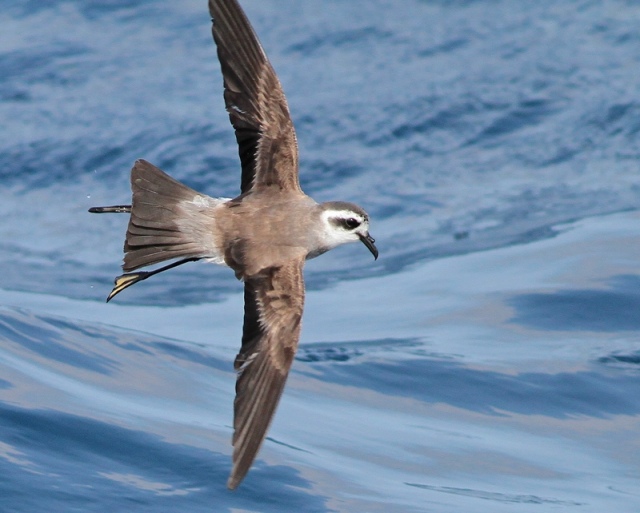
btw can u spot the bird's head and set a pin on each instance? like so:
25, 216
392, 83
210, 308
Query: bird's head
345, 222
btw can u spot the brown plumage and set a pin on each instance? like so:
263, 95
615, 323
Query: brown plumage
265, 234
255, 101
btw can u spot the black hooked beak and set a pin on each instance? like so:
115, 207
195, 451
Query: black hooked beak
368, 241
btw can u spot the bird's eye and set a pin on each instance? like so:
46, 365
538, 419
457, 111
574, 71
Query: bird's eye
351, 223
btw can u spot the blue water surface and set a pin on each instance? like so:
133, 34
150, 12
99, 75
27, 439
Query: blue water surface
487, 361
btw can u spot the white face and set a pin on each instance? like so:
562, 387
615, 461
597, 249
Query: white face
343, 226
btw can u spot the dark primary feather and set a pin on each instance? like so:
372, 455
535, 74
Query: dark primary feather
274, 301
251, 329
255, 101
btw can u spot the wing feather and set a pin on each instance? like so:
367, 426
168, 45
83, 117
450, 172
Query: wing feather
274, 301
255, 101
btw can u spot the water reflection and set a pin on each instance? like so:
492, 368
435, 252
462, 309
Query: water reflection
611, 309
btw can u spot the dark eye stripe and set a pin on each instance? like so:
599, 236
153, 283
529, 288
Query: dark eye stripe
349, 223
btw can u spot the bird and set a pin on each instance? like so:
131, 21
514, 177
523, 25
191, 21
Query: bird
264, 235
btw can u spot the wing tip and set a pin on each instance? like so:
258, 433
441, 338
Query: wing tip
233, 482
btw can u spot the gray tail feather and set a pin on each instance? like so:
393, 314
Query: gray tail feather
159, 215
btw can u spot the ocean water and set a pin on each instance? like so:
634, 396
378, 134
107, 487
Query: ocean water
488, 361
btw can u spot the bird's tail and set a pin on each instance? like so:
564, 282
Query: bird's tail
168, 221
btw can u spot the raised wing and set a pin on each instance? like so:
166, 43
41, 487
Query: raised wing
274, 301
255, 101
